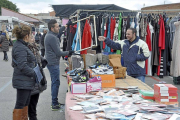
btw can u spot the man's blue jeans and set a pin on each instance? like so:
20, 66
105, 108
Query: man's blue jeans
142, 78
55, 82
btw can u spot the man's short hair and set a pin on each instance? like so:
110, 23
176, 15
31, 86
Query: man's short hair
133, 30
51, 24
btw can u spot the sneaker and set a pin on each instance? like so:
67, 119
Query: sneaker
55, 108
59, 104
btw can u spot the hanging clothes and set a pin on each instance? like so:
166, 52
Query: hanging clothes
137, 24
155, 50
128, 22
148, 61
119, 31
161, 46
167, 51
132, 23
86, 37
105, 31
71, 37
124, 25
112, 27
76, 44
172, 29
108, 49
115, 36
119, 26
102, 31
175, 64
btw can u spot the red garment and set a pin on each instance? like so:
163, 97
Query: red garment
161, 33
161, 40
105, 35
112, 27
86, 38
148, 41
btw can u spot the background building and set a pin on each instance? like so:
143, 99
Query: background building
169, 9
45, 17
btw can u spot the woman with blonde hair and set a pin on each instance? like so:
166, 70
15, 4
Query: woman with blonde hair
4, 41
24, 77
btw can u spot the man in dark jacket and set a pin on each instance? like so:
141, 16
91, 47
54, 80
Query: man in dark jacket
53, 54
42, 43
134, 52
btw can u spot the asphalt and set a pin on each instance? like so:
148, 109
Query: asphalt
8, 93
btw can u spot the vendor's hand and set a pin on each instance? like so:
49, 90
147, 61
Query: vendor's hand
101, 38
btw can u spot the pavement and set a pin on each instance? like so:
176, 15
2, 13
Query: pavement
8, 93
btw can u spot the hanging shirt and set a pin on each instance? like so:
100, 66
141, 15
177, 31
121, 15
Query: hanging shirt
115, 37
148, 61
132, 23
119, 31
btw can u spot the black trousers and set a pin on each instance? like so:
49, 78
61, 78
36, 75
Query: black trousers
42, 52
5, 55
32, 107
23, 98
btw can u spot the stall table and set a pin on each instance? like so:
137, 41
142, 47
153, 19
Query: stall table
77, 115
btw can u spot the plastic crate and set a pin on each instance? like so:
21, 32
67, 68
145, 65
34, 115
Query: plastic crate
176, 80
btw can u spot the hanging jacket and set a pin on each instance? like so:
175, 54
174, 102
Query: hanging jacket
86, 38
134, 55
161, 44
76, 44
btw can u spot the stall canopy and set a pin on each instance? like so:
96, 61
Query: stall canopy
67, 10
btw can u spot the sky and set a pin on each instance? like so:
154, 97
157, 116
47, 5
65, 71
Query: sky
44, 6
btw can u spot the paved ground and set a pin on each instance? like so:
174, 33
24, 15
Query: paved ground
8, 93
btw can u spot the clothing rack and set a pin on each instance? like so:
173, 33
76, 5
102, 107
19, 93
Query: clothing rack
77, 12
162, 10
94, 31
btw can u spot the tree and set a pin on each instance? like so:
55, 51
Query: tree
9, 5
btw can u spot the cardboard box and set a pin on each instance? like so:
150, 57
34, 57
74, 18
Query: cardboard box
147, 97
108, 80
165, 87
78, 88
94, 86
167, 94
